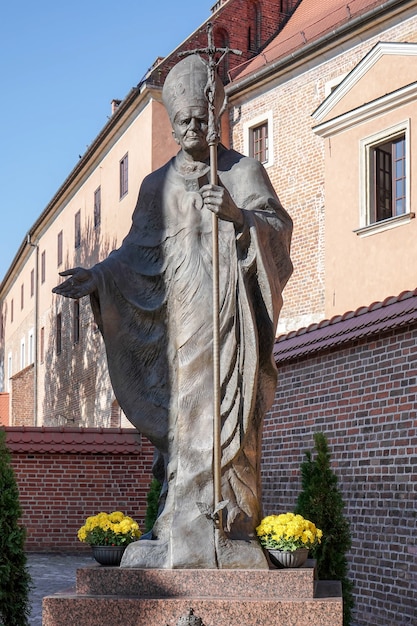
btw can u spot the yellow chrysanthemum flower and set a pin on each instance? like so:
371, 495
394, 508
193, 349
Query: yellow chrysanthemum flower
288, 531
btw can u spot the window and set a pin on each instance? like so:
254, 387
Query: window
11, 310
124, 176
31, 351
259, 142
222, 40
22, 296
97, 207
254, 31
32, 283
388, 184
59, 333
9, 369
43, 266
385, 177
258, 134
76, 322
59, 248
77, 229
286, 7
42, 345
22, 354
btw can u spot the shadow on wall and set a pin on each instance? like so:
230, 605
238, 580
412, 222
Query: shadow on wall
77, 386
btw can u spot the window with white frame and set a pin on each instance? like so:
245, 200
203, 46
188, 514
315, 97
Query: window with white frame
22, 353
77, 229
31, 346
258, 139
124, 176
385, 178
9, 369
97, 207
60, 247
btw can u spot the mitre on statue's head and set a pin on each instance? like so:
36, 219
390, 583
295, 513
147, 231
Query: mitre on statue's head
186, 84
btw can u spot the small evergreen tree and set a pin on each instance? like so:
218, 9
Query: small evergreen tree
15, 581
152, 500
321, 502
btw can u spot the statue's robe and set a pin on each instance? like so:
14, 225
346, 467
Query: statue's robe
153, 306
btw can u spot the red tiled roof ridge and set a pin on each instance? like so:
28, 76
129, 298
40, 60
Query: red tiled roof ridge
72, 440
379, 316
78, 429
349, 314
308, 24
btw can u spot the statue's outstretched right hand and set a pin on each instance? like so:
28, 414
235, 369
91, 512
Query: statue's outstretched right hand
81, 282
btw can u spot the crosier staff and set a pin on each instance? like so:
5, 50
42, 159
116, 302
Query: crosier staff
213, 139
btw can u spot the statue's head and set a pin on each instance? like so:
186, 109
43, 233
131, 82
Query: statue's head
185, 86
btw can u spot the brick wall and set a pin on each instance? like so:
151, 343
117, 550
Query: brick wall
22, 396
64, 475
4, 409
234, 23
362, 396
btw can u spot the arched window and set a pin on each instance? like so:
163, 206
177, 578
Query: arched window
221, 40
254, 30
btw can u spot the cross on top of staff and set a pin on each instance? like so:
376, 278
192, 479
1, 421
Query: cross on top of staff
212, 62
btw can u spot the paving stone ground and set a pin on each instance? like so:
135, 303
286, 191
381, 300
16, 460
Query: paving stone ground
51, 573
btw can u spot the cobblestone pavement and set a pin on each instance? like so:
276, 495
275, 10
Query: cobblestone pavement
51, 573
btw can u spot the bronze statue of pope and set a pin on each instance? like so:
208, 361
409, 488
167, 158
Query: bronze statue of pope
152, 300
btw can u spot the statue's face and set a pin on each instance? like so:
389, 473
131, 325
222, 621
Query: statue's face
190, 128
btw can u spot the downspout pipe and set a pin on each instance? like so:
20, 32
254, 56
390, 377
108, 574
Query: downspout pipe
36, 330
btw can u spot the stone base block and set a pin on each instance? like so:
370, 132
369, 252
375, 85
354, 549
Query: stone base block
107, 596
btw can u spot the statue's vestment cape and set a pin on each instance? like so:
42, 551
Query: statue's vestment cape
153, 306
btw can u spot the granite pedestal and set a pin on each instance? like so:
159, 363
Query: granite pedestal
108, 596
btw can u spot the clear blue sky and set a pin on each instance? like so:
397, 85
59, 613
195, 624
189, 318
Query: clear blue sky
61, 64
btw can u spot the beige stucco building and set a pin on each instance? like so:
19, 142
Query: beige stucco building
329, 91
368, 125
62, 378
348, 88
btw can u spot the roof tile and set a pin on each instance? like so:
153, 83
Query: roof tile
62, 440
391, 313
310, 21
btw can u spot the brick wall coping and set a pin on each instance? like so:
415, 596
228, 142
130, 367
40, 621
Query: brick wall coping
391, 313
21, 373
63, 440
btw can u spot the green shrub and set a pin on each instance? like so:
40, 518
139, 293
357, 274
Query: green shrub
15, 581
152, 504
321, 502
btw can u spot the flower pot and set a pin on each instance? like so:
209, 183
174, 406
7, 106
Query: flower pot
108, 555
285, 558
